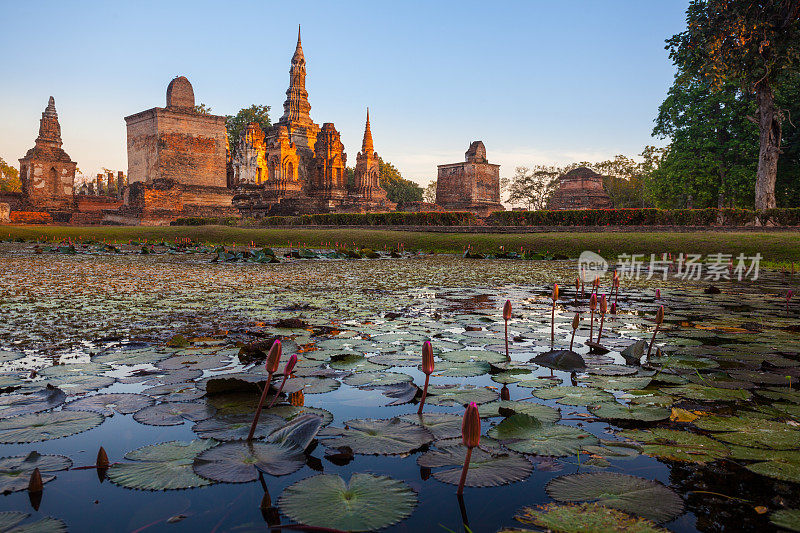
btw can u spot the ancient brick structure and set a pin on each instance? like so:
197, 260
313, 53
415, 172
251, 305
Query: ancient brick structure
179, 150
473, 185
47, 172
297, 167
580, 188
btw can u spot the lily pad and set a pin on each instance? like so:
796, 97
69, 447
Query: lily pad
46, 426
450, 395
108, 404
173, 413
584, 518
281, 454
485, 469
702, 393
630, 494
31, 402
472, 356
568, 395
618, 411
461, 370
15, 472
378, 436
164, 466
616, 382
506, 408
441, 425
237, 427
751, 431
565, 360
376, 379
526, 434
786, 518
80, 383
677, 445
366, 503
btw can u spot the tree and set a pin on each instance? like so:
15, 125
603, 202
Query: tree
532, 187
397, 188
9, 178
237, 123
203, 109
752, 44
429, 194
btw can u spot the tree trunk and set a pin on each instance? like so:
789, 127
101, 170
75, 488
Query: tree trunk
769, 127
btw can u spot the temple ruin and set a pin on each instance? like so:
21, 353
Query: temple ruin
580, 188
298, 167
473, 185
47, 172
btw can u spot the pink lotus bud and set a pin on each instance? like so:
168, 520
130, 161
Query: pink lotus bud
427, 358
660, 315
593, 302
577, 284
274, 357
576, 321
555, 292
658, 293
613, 308
471, 426
507, 310
287, 370
603, 304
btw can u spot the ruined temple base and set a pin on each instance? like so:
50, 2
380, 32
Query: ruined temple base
481, 210
258, 202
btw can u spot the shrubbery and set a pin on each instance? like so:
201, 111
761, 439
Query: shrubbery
436, 218
645, 217
205, 221
30, 217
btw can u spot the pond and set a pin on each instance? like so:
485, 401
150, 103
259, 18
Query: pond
127, 350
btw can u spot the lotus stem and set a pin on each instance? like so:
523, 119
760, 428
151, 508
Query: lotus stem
575, 323
464, 470
506, 318
287, 372
659, 320
427, 369
260, 406
553, 316
470, 437
424, 394
603, 309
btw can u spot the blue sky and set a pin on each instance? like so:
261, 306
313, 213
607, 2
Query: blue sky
539, 82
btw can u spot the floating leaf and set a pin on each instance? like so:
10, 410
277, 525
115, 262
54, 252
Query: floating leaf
753, 432
194, 362
485, 469
584, 518
699, 392
31, 402
573, 395
108, 404
366, 503
618, 411
506, 408
459, 370
46, 426
59, 371
441, 425
786, 518
630, 494
173, 413
132, 357
376, 379
80, 383
472, 356
379, 437
616, 382
164, 466
565, 360
449, 395
15, 472
526, 434
240, 462
237, 427
175, 392
678, 445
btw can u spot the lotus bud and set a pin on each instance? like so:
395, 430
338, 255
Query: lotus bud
427, 358
577, 284
290, 364
660, 315
576, 320
471, 426
658, 293
102, 458
505, 394
555, 292
507, 310
613, 308
603, 304
274, 357
593, 302
35, 484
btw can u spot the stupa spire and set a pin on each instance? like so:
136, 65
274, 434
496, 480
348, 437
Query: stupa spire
366, 145
49, 128
296, 107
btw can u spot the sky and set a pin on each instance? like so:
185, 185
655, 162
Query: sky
538, 81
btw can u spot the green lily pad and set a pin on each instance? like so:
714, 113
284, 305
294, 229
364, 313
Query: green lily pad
618, 411
46, 426
472, 356
616, 382
173, 413
241, 462
569, 395
786, 518
459, 370
366, 503
58, 371
164, 466
450, 395
194, 362
141, 356
376, 379
237, 427
506, 408
80, 383
441, 425
378, 436
11, 522
678, 445
630, 494
526, 434
753, 432
702, 393
175, 392
108, 404
15, 472
485, 469
31, 402
584, 518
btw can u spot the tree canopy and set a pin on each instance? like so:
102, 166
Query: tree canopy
9, 178
237, 123
397, 188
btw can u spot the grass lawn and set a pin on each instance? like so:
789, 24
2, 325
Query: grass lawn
774, 247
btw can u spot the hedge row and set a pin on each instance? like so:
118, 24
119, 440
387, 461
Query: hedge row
438, 218
646, 217
30, 217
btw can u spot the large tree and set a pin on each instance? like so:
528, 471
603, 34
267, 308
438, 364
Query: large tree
397, 188
531, 187
9, 178
238, 122
751, 43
